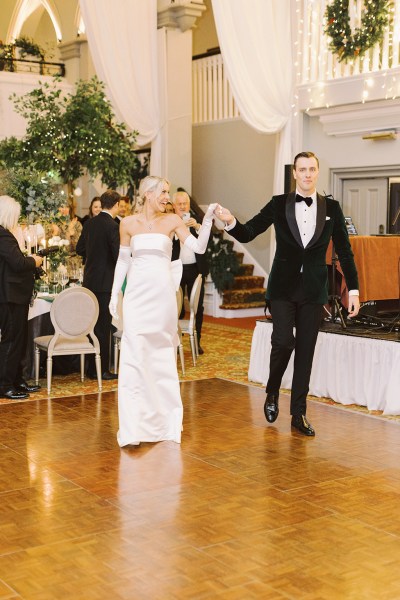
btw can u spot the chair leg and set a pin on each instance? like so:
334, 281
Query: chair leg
196, 343
98, 371
82, 367
182, 358
49, 373
116, 355
37, 363
193, 348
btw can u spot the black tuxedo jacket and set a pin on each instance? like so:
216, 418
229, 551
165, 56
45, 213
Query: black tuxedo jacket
290, 254
99, 247
17, 272
201, 259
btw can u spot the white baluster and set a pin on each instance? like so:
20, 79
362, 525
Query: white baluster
195, 105
220, 88
226, 98
385, 51
305, 53
396, 35
204, 86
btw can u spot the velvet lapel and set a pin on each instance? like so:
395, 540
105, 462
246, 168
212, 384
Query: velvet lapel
321, 218
291, 217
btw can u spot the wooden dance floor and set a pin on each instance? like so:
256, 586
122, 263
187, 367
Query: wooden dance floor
240, 510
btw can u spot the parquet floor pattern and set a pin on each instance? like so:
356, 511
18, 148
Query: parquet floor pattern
240, 510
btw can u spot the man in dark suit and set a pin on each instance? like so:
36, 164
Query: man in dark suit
298, 285
124, 209
99, 247
16, 287
192, 263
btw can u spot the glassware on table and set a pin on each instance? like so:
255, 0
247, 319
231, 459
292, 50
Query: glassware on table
80, 275
64, 279
54, 280
73, 276
44, 289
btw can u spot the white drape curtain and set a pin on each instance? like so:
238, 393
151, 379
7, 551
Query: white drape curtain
127, 51
255, 42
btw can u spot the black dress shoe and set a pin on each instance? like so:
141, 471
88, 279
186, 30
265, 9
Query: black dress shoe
201, 351
300, 423
271, 407
107, 376
13, 394
25, 387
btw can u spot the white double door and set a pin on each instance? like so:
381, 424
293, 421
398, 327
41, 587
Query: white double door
366, 202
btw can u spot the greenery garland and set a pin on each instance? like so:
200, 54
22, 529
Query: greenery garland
223, 262
347, 46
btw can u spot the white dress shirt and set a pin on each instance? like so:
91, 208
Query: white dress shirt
306, 217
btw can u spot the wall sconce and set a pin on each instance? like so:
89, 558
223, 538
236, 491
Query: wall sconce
387, 134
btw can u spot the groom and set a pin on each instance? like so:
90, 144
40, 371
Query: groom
297, 286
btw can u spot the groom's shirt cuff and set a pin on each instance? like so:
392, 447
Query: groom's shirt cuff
231, 226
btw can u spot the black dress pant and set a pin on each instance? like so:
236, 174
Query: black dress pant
189, 275
14, 331
305, 317
102, 330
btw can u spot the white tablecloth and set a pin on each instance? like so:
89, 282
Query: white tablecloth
347, 369
40, 307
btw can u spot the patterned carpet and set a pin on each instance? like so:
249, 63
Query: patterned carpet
226, 356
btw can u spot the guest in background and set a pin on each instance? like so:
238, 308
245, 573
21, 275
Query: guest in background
69, 227
17, 276
304, 223
169, 207
137, 207
99, 247
94, 210
125, 208
193, 263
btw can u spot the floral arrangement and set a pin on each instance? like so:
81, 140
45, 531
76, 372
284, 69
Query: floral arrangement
347, 45
59, 257
40, 195
223, 262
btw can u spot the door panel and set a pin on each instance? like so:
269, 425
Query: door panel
365, 201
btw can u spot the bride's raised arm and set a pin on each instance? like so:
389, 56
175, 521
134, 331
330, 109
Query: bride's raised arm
199, 244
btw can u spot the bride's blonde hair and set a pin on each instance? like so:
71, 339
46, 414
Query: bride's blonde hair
152, 183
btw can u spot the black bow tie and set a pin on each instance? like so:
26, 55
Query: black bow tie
307, 200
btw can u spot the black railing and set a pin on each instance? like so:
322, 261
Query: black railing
210, 52
41, 67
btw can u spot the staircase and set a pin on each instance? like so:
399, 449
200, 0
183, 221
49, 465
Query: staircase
247, 296
248, 290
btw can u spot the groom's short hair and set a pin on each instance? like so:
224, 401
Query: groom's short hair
305, 155
109, 199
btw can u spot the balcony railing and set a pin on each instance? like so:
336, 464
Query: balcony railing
21, 65
315, 62
212, 96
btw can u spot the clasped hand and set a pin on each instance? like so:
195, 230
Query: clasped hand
223, 214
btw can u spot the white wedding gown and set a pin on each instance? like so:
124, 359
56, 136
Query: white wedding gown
149, 401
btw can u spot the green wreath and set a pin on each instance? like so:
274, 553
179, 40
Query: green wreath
344, 43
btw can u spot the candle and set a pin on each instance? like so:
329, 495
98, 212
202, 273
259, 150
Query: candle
28, 244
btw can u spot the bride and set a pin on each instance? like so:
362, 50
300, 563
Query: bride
149, 402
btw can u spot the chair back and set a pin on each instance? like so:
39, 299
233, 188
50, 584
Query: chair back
179, 300
74, 312
194, 298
